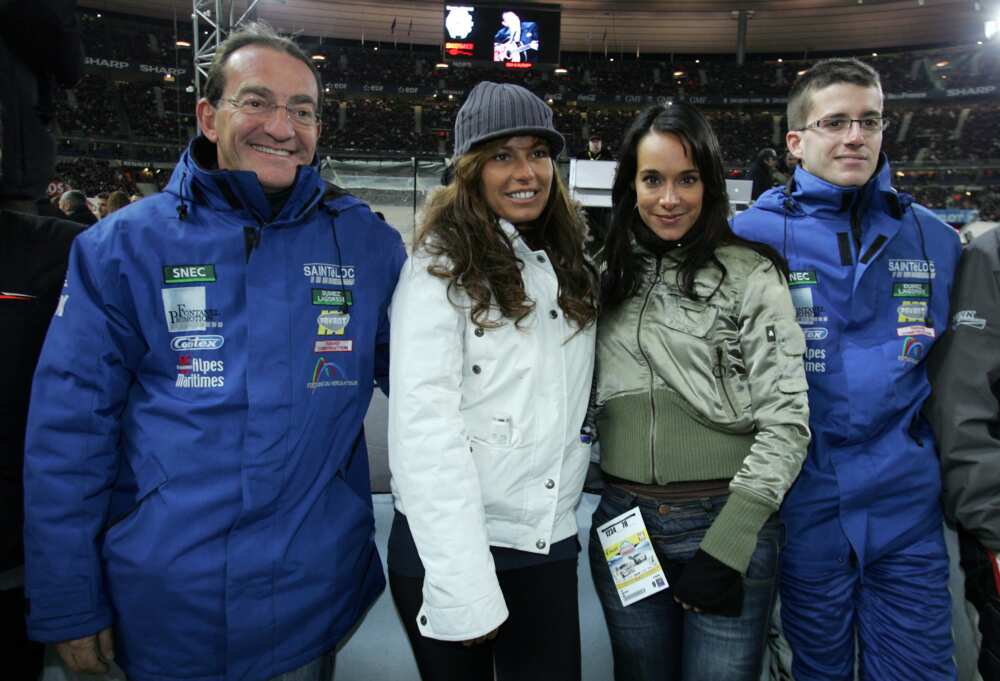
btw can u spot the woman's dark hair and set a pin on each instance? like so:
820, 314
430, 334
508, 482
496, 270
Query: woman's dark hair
622, 264
458, 224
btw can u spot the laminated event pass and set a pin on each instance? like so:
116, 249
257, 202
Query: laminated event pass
631, 559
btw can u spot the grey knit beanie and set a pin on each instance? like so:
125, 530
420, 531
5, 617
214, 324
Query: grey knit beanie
495, 110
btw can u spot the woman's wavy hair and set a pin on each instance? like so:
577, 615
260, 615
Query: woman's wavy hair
458, 224
622, 264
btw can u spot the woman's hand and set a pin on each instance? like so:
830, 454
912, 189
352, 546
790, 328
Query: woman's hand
482, 639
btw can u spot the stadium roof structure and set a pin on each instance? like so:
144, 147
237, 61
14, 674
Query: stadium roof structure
628, 26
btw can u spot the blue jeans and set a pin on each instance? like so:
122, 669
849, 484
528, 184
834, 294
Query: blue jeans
656, 638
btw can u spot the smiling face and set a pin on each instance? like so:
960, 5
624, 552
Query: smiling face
268, 145
517, 179
844, 158
668, 186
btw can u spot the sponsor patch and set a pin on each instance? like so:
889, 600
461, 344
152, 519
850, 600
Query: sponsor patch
916, 330
334, 346
185, 310
967, 318
188, 274
912, 312
194, 372
815, 333
815, 360
195, 343
332, 323
912, 269
331, 298
326, 374
802, 278
912, 351
331, 275
769, 332
910, 290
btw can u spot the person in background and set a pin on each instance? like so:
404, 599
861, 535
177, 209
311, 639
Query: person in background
595, 149
73, 203
764, 172
702, 407
116, 200
102, 205
492, 359
964, 410
871, 275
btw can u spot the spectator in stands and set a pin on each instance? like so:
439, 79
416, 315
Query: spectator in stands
117, 199
865, 557
492, 356
233, 544
965, 413
102, 205
764, 172
74, 204
595, 149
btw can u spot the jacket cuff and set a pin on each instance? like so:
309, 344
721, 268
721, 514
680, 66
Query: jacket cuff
732, 538
464, 622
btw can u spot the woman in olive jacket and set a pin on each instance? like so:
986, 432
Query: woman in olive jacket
703, 416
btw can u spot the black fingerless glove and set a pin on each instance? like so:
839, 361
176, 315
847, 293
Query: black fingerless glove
711, 586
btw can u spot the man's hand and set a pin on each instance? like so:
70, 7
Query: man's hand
482, 639
89, 654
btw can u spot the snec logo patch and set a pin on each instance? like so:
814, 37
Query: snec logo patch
188, 274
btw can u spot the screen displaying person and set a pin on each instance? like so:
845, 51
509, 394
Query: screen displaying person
516, 39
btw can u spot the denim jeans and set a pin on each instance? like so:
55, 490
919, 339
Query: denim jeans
655, 638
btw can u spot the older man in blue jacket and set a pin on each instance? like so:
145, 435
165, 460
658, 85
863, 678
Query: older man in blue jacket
196, 475
871, 274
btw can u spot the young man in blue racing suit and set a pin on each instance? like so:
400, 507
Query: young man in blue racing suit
871, 274
197, 497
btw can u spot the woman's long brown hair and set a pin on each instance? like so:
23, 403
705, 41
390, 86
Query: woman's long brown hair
479, 257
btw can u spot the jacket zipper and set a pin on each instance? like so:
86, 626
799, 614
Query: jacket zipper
720, 374
638, 339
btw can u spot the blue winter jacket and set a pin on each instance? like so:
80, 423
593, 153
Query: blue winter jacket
871, 274
196, 473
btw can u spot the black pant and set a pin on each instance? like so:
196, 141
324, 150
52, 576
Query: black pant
981, 590
15, 648
539, 640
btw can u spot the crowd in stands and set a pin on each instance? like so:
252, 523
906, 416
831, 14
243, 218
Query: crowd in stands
110, 117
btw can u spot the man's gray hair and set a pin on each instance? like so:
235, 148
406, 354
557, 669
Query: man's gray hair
74, 198
255, 33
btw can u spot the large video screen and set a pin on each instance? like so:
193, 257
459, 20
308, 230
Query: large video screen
510, 34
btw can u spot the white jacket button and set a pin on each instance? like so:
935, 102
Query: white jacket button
550, 483
476, 369
541, 258
553, 314
479, 331
540, 544
423, 619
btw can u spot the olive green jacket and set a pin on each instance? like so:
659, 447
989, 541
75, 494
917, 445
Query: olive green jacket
707, 389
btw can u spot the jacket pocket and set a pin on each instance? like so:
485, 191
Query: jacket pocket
501, 478
149, 477
692, 317
792, 345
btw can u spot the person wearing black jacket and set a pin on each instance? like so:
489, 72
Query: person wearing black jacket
763, 172
74, 205
40, 47
964, 410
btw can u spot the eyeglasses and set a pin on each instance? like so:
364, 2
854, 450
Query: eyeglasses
301, 115
839, 124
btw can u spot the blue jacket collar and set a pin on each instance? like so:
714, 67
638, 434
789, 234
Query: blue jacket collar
196, 181
811, 195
